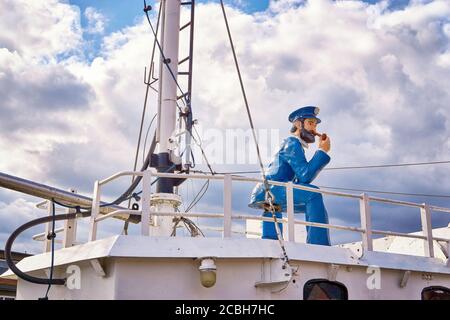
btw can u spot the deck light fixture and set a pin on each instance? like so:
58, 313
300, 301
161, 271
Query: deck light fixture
207, 272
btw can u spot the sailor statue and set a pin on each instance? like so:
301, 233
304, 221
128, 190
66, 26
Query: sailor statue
290, 164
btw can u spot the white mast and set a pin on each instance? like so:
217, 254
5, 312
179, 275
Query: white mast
164, 199
167, 108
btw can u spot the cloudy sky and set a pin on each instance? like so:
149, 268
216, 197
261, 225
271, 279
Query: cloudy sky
71, 96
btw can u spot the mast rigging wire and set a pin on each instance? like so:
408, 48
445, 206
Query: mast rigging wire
52, 235
146, 136
269, 196
166, 63
146, 9
349, 189
126, 224
356, 167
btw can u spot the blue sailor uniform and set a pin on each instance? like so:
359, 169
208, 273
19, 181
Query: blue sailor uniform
290, 164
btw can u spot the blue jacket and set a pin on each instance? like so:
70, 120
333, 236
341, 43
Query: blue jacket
290, 164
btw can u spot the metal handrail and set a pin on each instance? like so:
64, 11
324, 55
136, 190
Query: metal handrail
249, 217
365, 229
40, 236
120, 174
117, 213
271, 182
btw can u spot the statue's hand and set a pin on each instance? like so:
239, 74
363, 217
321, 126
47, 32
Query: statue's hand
325, 144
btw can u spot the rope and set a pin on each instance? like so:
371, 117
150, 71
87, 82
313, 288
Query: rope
126, 224
269, 196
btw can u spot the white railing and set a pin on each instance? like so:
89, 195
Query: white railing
227, 216
69, 230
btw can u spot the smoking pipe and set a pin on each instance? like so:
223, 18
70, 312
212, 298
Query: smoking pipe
323, 136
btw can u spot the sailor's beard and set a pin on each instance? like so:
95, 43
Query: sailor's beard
307, 136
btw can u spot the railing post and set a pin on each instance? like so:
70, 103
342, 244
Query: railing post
290, 211
145, 217
425, 217
366, 222
94, 212
447, 247
48, 226
70, 228
227, 206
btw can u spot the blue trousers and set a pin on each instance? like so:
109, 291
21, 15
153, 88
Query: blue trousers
305, 201
268, 228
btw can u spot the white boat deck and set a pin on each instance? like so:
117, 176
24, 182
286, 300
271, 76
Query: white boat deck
175, 247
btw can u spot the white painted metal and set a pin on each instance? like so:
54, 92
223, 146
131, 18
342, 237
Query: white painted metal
94, 212
408, 235
246, 179
300, 187
366, 222
153, 262
43, 205
194, 247
425, 218
227, 206
70, 228
441, 209
260, 218
96, 265
154, 251
405, 279
137, 278
145, 202
49, 192
161, 66
118, 213
169, 211
408, 245
290, 211
43, 236
333, 270
274, 275
163, 202
168, 92
448, 254
48, 227
120, 174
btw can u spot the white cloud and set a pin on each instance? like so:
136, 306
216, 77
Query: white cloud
96, 20
282, 5
39, 29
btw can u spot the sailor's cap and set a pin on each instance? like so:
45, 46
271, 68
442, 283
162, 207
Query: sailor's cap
307, 112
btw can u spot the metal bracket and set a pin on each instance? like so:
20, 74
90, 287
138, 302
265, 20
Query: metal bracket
96, 265
274, 274
356, 250
332, 272
427, 276
151, 75
444, 246
405, 279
